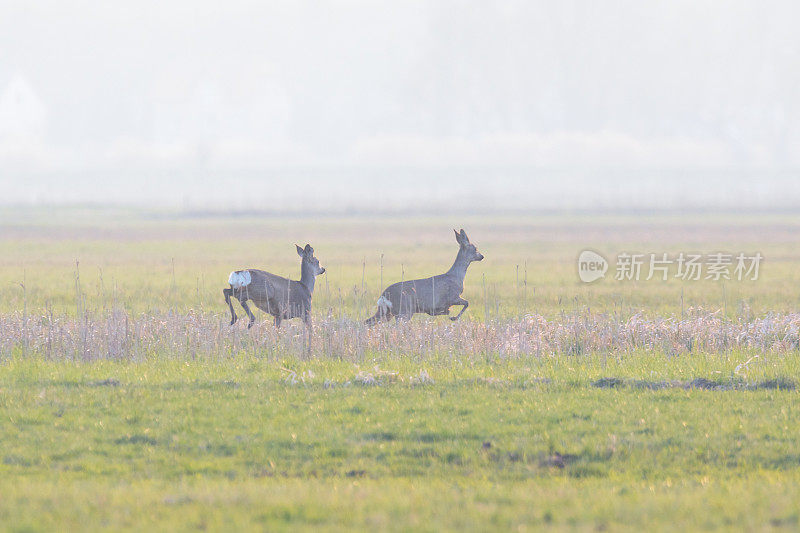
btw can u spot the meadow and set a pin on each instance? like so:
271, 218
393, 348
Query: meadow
128, 402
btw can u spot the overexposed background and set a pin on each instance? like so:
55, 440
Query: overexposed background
401, 106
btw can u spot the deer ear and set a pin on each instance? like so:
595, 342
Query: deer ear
299, 250
464, 237
308, 249
458, 236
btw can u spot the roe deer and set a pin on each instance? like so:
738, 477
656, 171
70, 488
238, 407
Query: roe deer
430, 295
275, 295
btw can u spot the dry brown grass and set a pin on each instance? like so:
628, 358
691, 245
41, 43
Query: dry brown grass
117, 334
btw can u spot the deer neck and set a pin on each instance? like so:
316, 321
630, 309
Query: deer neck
307, 277
459, 268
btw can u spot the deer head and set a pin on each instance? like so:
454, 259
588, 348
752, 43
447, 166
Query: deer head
468, 250
307, 254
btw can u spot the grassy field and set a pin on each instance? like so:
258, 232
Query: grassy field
126, 402
157, 262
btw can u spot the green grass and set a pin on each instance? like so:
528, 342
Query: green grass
179, 445
127, 403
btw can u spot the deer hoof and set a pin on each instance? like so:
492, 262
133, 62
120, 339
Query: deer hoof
250, 324
453, 318
233, 321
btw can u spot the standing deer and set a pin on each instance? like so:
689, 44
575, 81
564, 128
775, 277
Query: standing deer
430, 295
278, 296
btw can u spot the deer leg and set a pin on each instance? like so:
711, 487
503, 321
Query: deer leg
379, 316
309, 329
405, 316
228, 293
460, 301
405, 308
249, 313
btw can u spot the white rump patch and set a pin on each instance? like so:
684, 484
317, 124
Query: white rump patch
239, 279
384, 303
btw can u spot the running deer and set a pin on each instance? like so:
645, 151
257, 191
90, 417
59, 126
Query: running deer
280, 297
433, 296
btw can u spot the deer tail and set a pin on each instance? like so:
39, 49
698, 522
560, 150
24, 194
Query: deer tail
384, 311
239, 279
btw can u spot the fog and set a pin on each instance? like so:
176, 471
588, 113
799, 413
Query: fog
357, 105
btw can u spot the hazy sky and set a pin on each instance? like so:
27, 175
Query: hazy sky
226, 90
